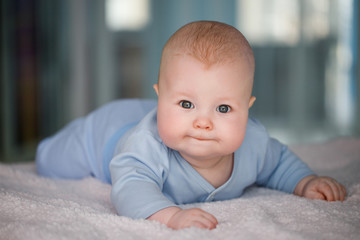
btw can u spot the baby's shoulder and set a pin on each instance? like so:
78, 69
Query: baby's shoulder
254, 144
255, 127
256, 136
147, 128
144, 137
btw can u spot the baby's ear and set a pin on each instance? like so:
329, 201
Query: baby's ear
252, 100
156, 88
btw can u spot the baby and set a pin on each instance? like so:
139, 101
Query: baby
197, 145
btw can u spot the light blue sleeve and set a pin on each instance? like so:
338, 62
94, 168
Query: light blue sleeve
65, 154
282, 168
77, 150
278, 168
138, 174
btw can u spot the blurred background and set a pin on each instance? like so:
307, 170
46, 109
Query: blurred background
60, 59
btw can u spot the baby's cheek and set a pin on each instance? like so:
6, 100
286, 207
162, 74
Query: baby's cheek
163, 131
235, 137
168, 133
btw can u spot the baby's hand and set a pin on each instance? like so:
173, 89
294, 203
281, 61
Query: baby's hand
177, 218
193, 217
324, 188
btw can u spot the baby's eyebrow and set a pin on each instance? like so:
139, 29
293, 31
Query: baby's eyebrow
226, 99
182, 94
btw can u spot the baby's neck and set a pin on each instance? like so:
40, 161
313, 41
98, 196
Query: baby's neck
216, 171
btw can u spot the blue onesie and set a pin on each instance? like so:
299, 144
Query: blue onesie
146, 175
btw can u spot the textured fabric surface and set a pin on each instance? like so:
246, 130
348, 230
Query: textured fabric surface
33, 207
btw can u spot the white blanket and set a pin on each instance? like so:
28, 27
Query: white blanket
32, 207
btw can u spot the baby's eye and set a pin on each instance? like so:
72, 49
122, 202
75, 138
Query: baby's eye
223, 108
186, 104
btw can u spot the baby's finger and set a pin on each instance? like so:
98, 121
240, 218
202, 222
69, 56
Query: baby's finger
339, 191
210, 218
332, 190
203, 219
200, 224
316, 195
204, 222
335, 187
326, 190
342, 192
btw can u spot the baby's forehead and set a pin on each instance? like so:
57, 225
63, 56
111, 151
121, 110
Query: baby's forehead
183, 63
211, 52
231, 62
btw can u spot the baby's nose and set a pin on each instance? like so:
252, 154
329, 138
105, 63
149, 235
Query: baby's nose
203, 123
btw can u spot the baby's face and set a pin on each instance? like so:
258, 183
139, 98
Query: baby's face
203, 112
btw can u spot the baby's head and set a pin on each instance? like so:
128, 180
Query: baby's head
210, 43
204, 89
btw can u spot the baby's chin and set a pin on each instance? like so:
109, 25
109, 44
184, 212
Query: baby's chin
202, 156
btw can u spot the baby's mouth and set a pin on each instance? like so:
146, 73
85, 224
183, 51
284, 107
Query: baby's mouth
202, 138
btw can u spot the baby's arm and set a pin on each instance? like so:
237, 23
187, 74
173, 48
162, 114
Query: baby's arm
177, 218
324, 188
